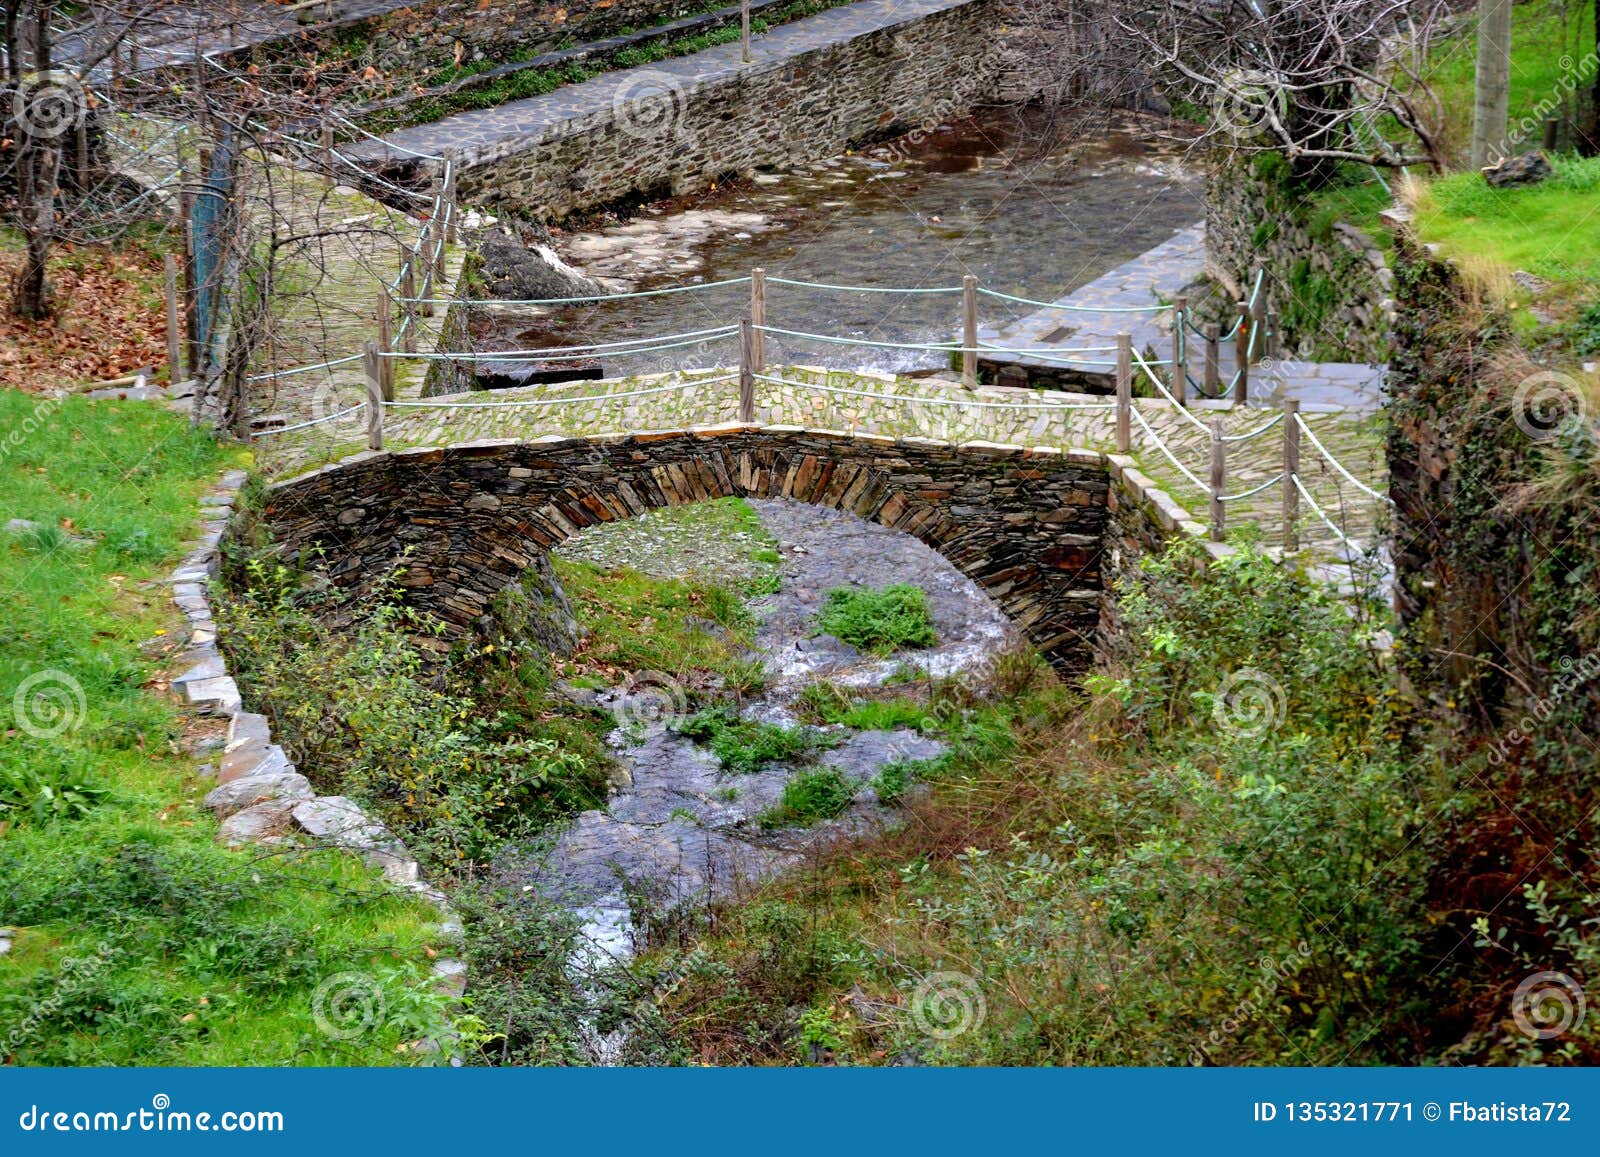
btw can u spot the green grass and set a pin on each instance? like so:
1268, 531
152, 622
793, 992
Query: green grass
672, 542
194, 955
1540, 36
1551, 230
744, 745
810, 797
879, 622
634, 622
830, 703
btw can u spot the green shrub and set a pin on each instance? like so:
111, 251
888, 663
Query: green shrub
745, 745
810, 797
878, 621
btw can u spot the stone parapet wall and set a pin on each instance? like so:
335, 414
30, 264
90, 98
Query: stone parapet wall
466, 521
919, 70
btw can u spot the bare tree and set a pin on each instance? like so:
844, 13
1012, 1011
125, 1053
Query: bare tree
45, 103
1311, 79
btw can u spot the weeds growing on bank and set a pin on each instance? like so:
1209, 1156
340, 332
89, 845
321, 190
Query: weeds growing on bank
1099, 878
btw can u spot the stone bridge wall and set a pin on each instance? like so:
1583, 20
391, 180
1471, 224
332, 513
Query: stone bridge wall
1028, 526
919, 72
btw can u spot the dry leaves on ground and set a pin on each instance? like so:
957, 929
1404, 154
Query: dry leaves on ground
109, 321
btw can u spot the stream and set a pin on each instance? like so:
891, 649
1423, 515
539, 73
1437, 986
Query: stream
681, 832
981, 196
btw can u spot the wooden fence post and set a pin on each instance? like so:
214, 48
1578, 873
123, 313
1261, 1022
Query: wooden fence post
408, 305
1257, 348
744, 29
747, 372
969, 332
452, 223
1274, 346
1180, 368
325, 140
1124, 392
174, 330
1241, 354
1291, 467
1219, 472
758, 319
372, 364
385, 341
1552, 126
1213, 371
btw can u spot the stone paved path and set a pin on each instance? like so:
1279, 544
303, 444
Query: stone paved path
483, 134
1094, 315
882, 404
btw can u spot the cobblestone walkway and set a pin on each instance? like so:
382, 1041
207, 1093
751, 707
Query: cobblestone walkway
884, 405
1094, 315
485, 133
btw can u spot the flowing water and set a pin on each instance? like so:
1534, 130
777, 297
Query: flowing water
980, 197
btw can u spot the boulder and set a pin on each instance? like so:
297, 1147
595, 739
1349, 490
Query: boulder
255, 823
242, 793
520, 264
1523, 169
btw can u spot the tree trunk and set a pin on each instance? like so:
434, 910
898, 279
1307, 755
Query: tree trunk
30, 297
1492, 83
1589, 139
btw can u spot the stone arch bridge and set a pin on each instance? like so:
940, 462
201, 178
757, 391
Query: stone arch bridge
1037, 529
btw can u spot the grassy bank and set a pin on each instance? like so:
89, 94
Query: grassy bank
185, 953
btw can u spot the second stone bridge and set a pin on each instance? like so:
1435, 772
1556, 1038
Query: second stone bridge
1037, 529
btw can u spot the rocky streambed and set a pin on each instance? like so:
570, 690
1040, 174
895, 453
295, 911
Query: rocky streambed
681, 830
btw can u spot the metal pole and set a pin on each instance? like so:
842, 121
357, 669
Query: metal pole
385, 342
408, 307
1124, 392
174, 330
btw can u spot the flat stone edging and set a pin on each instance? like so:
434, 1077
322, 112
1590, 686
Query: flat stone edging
260, 798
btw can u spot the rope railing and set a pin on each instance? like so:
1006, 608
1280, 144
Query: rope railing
556, 353
585, 300
1326, 521
1337, 465
1158, 307
972, 403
